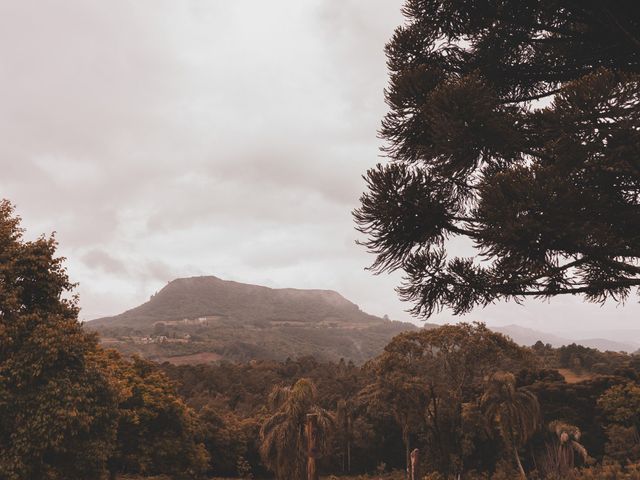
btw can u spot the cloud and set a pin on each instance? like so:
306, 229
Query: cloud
98, 259
164, 139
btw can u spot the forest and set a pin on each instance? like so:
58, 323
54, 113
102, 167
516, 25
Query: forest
458, 401
512, 128
473, 403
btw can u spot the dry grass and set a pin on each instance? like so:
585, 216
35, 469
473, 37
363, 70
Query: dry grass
573, 377
192, 359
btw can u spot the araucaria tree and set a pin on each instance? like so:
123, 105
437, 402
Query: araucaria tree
516, 126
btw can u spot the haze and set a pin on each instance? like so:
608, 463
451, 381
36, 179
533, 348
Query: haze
165, 139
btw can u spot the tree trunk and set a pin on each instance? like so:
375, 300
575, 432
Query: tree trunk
349, 427
523, 476
312, 448
405, 439
415, 464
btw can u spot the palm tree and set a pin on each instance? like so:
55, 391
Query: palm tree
344, 423
514, 411
561, 453
283, 446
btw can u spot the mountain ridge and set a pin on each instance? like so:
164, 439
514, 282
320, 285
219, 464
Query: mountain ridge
210, 295
527, 337
238, 321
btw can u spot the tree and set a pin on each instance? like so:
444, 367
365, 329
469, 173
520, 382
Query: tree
400, 391
621, 405
157, 431
344, 431
426, 377
58, 405
515, 412
225, 440
516, 126
283, 439
561, 452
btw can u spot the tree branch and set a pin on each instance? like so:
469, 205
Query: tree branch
531, 98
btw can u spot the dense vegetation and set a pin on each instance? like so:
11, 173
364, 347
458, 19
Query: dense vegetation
474, 402
548, 193
68, 408
459, 401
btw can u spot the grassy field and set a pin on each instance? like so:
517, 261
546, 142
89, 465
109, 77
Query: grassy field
572, 377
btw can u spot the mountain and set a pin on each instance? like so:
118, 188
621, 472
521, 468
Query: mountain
604, 345
200, 319
527, 336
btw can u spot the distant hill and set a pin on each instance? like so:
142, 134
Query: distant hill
200, 319
527, 336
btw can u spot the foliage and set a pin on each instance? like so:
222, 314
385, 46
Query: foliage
237, 393
225, 437
436, 390
283, 441
561, 451
68, 408
609, 471
401, 392
621, 405
58, 408
426, 377
515, 126
157, 432
575, 404
623, 444
514, 411
243, 467
344, 434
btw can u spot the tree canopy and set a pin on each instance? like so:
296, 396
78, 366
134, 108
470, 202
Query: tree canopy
513, 127
58, 407
68, 408
284, 441
427, 378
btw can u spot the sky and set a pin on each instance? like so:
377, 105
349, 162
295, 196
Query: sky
173, 138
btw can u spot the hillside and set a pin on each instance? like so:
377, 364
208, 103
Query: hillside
527, 337
201, 319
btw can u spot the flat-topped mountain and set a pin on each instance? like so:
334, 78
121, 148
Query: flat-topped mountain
210, 296
206, 318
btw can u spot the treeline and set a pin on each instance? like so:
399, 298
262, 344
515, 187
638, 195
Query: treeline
473, 403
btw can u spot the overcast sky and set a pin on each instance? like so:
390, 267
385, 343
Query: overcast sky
171, 138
